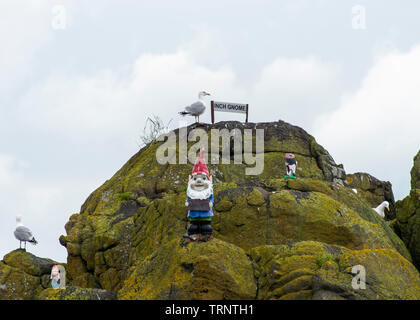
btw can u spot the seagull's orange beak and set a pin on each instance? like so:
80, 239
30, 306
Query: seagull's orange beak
387, 208
208, 94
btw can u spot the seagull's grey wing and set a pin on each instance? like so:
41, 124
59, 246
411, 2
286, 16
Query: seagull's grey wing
196, 109
23, 234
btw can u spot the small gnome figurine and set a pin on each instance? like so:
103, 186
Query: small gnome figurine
200, 201
291, 165
55, 276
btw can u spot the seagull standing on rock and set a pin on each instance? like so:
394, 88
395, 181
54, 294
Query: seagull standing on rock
22, 233
197, 108
380, 209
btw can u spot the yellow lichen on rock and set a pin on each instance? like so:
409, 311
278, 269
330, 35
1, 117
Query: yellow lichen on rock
130, 227
76, 293
206, 270
300, 271
23, 276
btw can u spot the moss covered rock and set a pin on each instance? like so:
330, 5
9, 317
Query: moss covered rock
23, 276
373, 191
76, 293
139, 213
314, 270
407, 224
100, 239
415, 172
303, 209
273, 239
205, 270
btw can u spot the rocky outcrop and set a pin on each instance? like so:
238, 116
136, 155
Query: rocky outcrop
373, 191
277, 212
273, 238
315, 270
208, 270
415, 172
304, 270
23, 276
140, 211
407, 224
76, 293
141, 206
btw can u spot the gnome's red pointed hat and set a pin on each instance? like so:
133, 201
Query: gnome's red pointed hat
200, 166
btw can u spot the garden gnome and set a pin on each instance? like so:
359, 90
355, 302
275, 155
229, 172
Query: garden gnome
291, 165
200, 201
55, 276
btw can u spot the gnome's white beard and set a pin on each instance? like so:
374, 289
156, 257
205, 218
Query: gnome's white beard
202, 194
55, 274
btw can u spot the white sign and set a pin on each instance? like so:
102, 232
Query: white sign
230, 107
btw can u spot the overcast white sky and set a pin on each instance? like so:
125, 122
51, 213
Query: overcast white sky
73, 101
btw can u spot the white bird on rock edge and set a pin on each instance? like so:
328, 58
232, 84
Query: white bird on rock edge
380, 209
22, 233
197, 108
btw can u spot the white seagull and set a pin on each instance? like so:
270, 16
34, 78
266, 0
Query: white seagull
197, 108
380, 209
23, 234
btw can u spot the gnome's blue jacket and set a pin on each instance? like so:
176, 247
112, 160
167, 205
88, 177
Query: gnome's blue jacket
201, 214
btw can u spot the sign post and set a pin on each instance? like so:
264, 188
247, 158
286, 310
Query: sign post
246, 119
229, 107
212, 112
